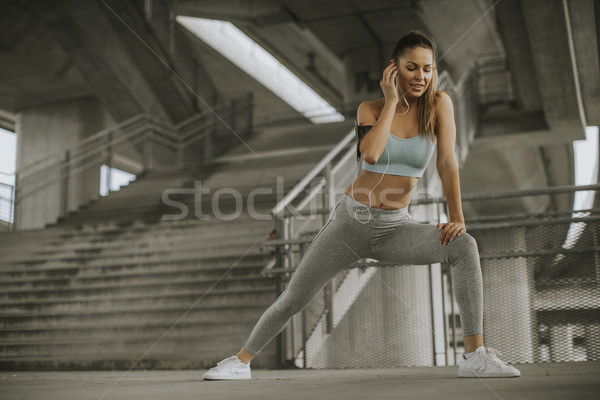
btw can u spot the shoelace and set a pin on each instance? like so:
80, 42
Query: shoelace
227, 359
493, 354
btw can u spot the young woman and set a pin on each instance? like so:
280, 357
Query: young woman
371, 220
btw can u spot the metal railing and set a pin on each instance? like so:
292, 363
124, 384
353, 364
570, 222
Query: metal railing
134, 142
541, 274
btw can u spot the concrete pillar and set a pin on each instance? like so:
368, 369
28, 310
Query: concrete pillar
508, 317
46, 131
561, 343
388, 325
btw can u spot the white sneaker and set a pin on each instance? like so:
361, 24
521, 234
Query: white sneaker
486, 364
230, 368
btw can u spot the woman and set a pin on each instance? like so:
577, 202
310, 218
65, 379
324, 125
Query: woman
371, 220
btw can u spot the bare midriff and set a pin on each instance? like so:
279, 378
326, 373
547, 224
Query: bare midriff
392, 192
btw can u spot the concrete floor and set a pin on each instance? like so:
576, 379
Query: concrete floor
546, 381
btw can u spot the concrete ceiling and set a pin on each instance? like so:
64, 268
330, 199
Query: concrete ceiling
551, 54
52, 50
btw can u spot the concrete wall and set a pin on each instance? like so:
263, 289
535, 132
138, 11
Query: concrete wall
389, 324
46, 131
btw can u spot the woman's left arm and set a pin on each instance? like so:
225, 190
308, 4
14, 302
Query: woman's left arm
447, 168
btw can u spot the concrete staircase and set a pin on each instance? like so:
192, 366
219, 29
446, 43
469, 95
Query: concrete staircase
116, 283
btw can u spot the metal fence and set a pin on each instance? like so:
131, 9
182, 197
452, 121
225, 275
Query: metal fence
541, 293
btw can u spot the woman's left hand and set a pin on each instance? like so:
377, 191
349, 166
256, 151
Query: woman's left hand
450, 231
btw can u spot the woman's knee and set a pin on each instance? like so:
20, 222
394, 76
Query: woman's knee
464, 245
466, 240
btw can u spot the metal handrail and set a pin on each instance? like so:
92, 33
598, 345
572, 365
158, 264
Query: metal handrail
516, 193
63, 174
143, 127
312, 174
488, 196
160, 125
82, 142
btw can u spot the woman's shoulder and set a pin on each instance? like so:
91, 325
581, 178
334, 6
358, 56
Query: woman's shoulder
372, 107
377, 103
443, 97
443, 102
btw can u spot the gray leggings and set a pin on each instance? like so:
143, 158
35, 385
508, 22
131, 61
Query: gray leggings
390, 236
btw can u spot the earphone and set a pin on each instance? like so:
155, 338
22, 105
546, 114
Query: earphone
368, 209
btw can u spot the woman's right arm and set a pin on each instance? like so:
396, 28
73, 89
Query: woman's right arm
374, 142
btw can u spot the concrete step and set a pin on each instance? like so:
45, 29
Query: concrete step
127, 288
111, 232
138, 360
137, 266
249, 246
127, 330
154, 214
172, 238
37, 278
215, 305
167, 345
26, 283
206, 195
201, 238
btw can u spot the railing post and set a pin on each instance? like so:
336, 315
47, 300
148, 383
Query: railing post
148, 9
65, 197
453, 314
16, 200
11, 210
207, 148
304, 339
328, 306
232, 118
179, 154
109, 154
147, 151
329, 186
250, 112
171, 38
445, 320
281, 262
328, 290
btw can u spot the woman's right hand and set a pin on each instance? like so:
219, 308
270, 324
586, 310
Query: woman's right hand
388, 84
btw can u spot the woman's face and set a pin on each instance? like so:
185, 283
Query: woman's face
415, 68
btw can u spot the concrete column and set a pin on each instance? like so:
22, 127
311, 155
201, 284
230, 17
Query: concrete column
561, 343
388, 325
508, 316
46, 131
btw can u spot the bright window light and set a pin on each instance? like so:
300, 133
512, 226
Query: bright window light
233, 44
118, 178
586, 173
8, 153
